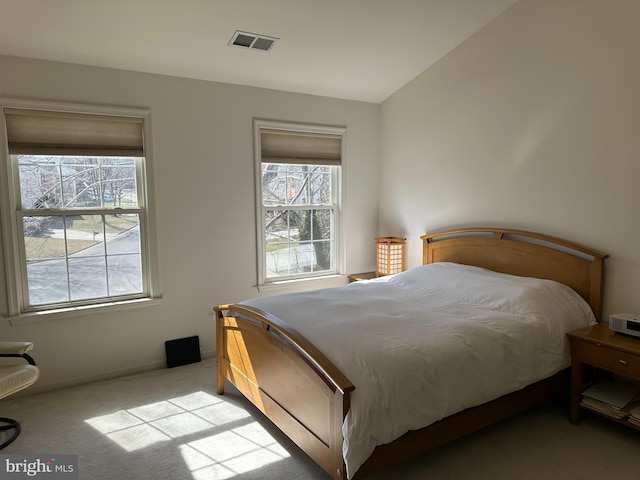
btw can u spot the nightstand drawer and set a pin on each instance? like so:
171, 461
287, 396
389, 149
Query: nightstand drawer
607, 358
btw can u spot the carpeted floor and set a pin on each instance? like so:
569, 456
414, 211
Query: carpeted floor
170, 424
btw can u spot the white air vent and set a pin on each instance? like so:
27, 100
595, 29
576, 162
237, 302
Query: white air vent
252, 41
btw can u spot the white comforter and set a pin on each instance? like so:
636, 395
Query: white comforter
432, 341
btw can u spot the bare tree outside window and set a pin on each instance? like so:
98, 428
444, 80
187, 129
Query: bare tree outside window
81, 227
299, 218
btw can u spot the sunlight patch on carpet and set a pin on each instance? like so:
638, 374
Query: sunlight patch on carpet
145, 425
232, 450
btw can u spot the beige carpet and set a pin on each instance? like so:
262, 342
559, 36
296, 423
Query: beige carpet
170, 424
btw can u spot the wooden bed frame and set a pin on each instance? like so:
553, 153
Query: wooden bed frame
307, 396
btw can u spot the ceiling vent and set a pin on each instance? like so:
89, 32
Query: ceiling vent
252, 41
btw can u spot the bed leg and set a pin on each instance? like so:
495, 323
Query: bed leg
219, 377
219, 350
220, 383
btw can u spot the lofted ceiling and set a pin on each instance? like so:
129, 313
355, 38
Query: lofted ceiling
352, 49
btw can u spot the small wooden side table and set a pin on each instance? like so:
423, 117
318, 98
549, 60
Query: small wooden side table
356, 277
602, 348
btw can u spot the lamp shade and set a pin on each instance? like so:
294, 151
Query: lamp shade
389, 255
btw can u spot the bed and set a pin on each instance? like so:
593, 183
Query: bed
289, 354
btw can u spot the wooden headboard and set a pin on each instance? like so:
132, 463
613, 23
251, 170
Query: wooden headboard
527, 254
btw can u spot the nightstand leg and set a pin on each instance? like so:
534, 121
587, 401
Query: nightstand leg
576, 390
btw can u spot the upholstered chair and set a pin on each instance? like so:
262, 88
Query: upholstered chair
13, 378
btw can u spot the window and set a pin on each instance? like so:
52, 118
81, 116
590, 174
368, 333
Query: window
298, 191
77, 217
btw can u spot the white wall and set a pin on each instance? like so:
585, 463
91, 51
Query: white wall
532, 123
204, 188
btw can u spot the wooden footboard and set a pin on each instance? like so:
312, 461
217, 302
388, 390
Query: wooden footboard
287, 379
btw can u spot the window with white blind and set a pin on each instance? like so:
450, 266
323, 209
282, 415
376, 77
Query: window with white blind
298, 191
75, 216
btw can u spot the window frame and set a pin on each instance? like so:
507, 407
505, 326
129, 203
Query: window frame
261, 209
11, 212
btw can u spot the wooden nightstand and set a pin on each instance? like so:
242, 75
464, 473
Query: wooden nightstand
356, 277
602, 348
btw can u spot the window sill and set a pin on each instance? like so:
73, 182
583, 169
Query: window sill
49, 315
303, 284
